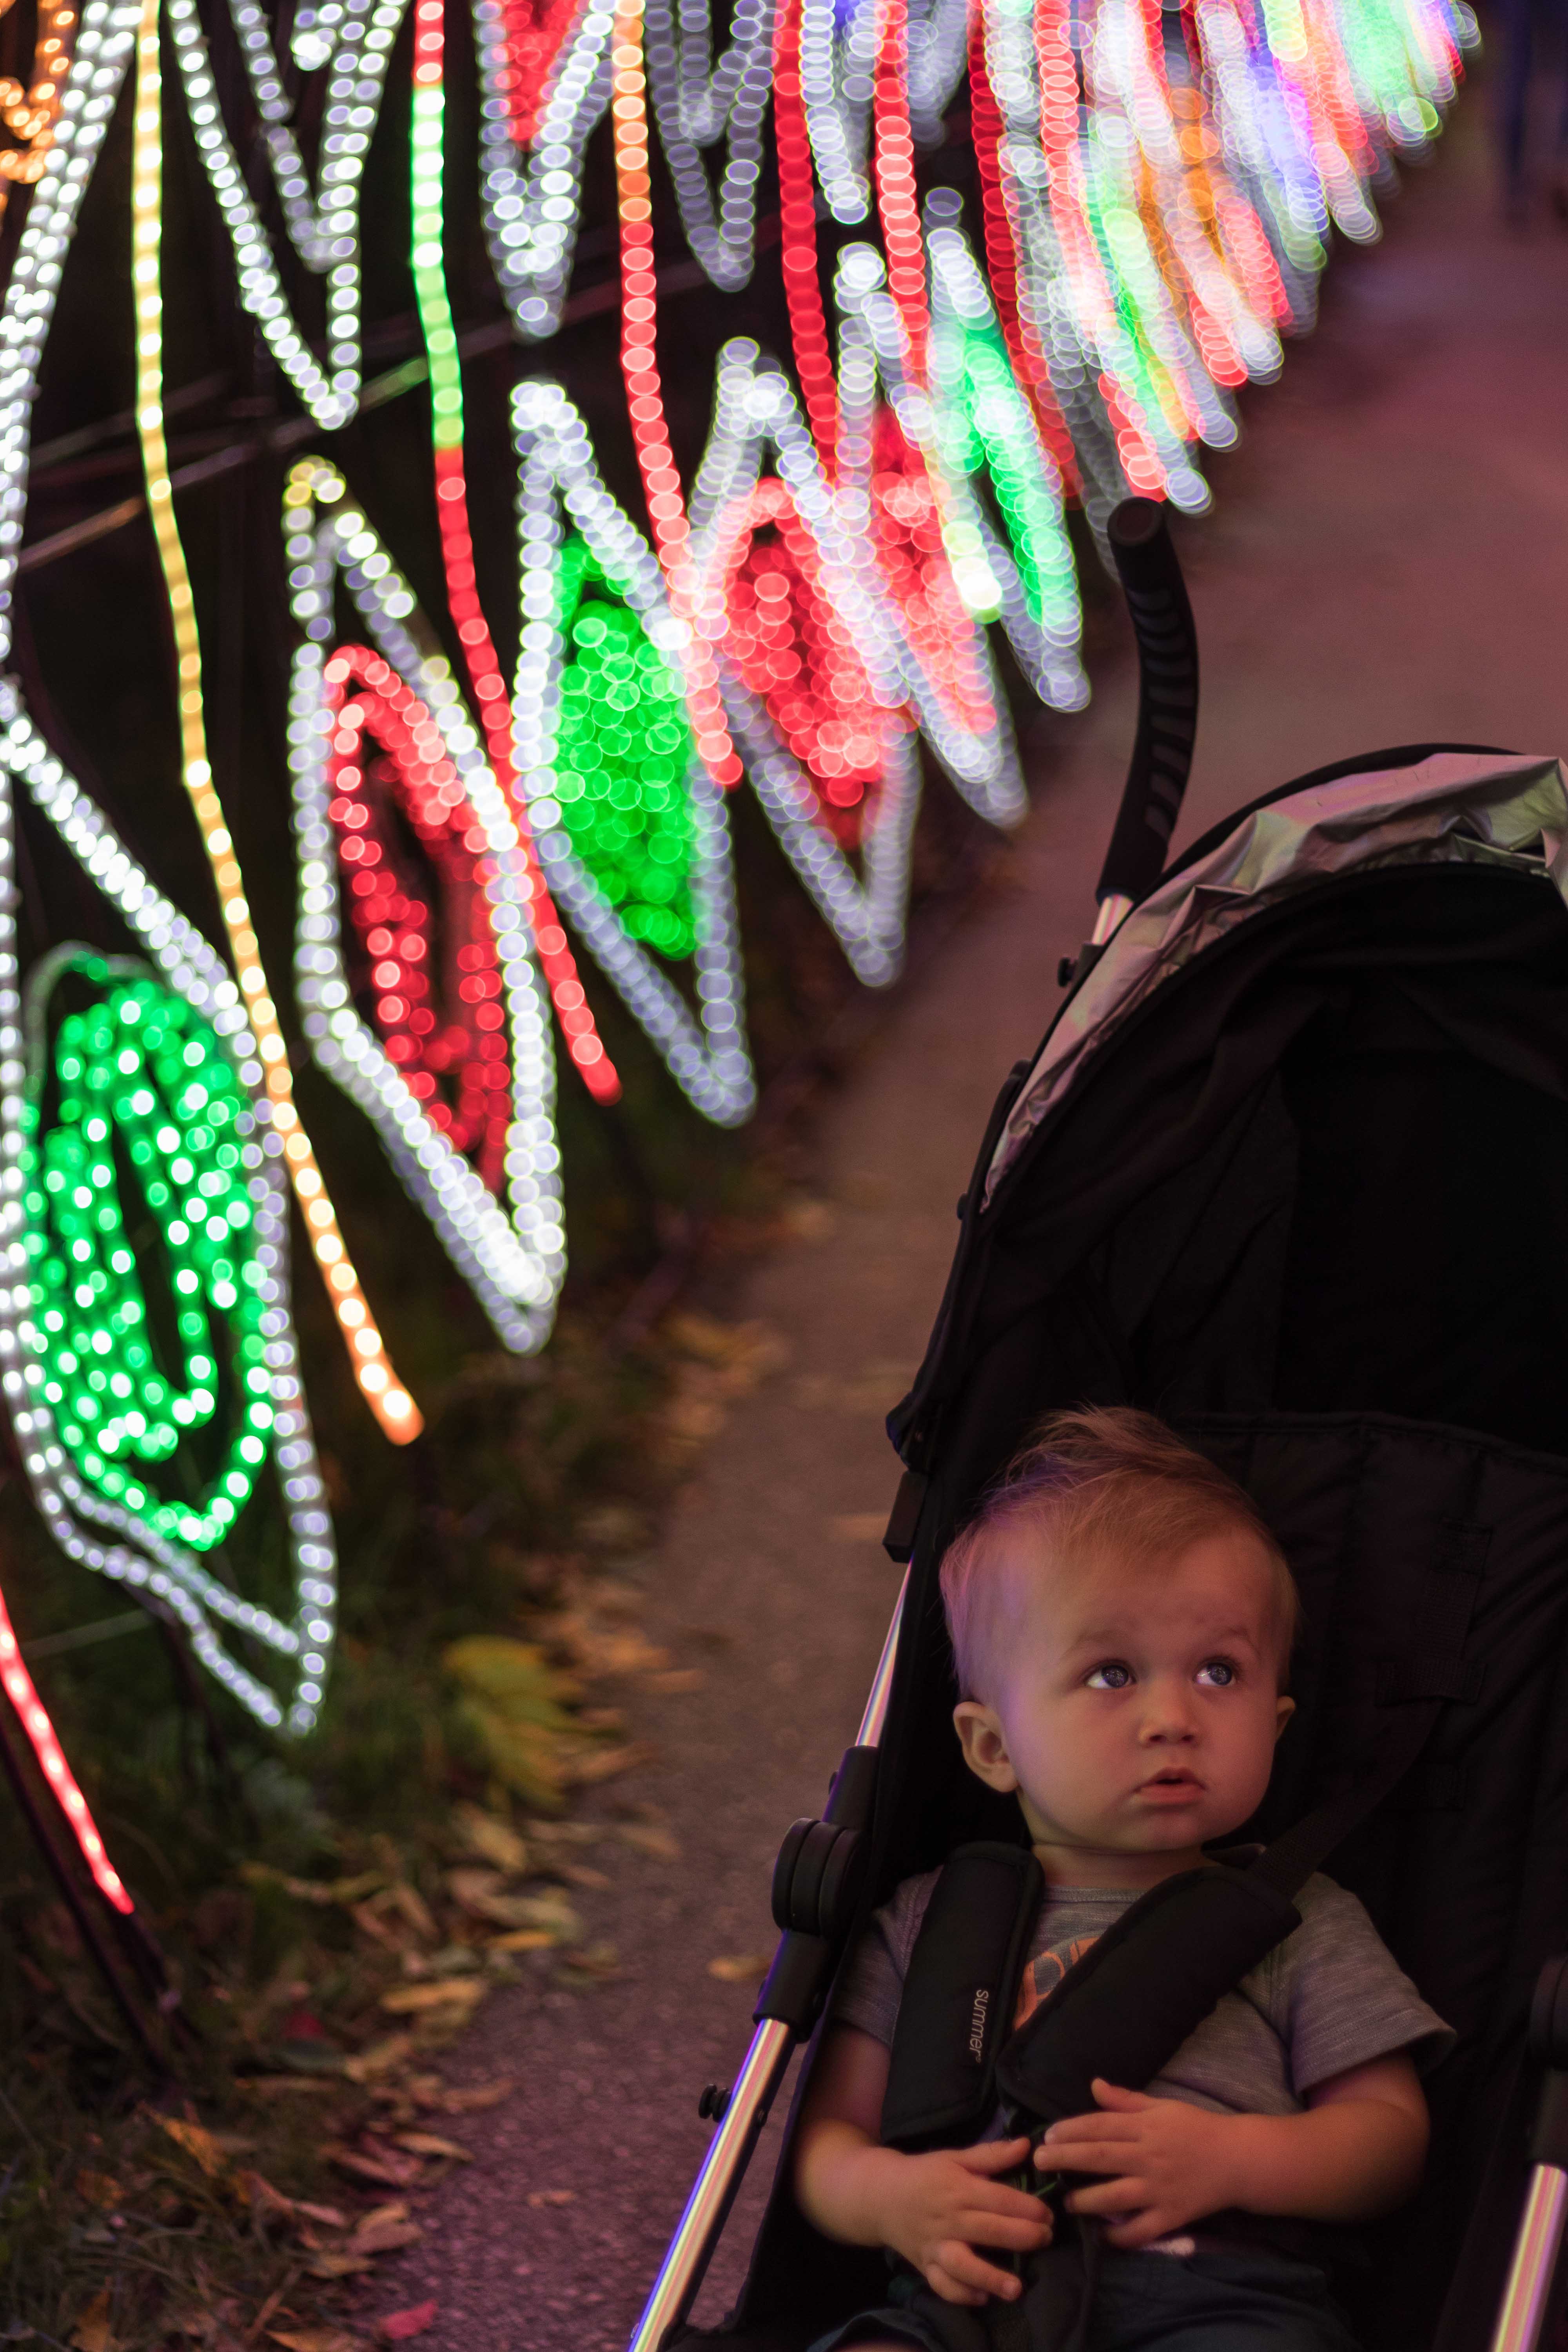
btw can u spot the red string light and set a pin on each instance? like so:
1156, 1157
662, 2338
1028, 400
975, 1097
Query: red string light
1002, 258
644, 399
798, 213
799, 658
397, 929
45, 1746
895, 169
532, 33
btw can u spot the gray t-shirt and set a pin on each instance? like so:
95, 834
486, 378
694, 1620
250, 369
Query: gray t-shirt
1328, 1998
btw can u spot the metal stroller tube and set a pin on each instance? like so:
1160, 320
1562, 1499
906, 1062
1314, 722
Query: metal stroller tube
1522, 2315
742, 2117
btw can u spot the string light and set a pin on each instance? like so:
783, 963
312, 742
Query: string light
706, 1051
389, 1401
325, 233
513, 1262
79, 1515
34, 1719
141, 1091
694, 103
557, 962
30, 115
797, 255
897, 210
650, 434
458, 1034
530, 212
529, 35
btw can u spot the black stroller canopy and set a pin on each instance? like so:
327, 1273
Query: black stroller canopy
1291, 1170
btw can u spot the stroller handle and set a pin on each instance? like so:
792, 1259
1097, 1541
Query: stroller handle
1161, 617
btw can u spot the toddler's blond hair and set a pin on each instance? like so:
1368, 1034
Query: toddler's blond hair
1105, 1479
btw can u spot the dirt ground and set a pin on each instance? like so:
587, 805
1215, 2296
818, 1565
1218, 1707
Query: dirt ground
1386, 562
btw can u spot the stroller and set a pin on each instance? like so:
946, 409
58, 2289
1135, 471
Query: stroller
1289, 1169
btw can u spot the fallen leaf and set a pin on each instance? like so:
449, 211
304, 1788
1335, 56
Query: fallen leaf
376, 2164
92, 2332
469, 2100
269, 2204
741, 1967
396, 2327
321, 1891
492, 1838
380, 2058
647, 1837
591, 1964
366, 1921
98, 2188
447, 1992
578, 1874
383, 2230
333, 2264
522, 1939
196, 2142
553, 2197
328, 2215
315, 2339
423, 2143
271, 2086
587, 1769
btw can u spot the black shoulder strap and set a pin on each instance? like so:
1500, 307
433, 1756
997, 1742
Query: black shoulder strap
1124, 2009
958, 1997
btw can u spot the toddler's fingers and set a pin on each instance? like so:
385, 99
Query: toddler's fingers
1111, 2095
1141, 2230
994, 2155
972, 2270
942, 2282
1120, 2197
1019, 2233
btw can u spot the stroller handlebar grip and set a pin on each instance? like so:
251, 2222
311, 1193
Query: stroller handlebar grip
1162, 616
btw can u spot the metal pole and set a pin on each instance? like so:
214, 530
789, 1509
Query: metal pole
731, 2148
1522, 2315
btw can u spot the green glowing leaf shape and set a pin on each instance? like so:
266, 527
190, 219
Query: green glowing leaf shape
624, 747
132, 1188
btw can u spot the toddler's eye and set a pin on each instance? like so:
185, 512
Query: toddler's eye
1218, 1672
1111, 1675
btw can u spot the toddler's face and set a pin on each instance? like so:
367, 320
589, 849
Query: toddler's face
1134, 1711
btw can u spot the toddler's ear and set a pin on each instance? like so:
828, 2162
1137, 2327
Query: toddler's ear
1284, 1709
984, 1745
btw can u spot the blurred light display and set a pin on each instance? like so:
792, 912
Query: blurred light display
1155, 192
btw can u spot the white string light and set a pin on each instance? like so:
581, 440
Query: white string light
693, 106
325, 230
514, 1264
531, 209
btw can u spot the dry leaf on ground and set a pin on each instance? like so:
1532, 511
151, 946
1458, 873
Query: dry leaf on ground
492, 1838
269, 2204
647, 1837
423, 2143
741, 1967
383, 2164
475, 2096
324, 1892
92, 2332
522, 1939
196, 2142
589, 1766
97, 2187
384, 2229
396, 2327
445, 1992
380, 2058
553, 2197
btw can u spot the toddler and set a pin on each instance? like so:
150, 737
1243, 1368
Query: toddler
1121, 1621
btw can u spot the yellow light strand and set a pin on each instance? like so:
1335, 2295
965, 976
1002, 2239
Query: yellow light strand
390, 1402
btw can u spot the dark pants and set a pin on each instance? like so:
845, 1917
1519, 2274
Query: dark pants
1195, 2303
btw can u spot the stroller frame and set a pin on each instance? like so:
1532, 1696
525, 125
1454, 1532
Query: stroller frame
821, 1863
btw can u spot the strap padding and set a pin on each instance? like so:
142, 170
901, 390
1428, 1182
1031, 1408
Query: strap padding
1124, 2009
958, 1998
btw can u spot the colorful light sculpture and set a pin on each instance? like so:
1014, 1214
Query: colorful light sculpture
511, 1249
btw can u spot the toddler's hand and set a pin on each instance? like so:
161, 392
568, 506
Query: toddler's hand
940, 2207
1172, 2163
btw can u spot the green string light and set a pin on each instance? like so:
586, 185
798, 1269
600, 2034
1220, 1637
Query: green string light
624, 747
132, 1168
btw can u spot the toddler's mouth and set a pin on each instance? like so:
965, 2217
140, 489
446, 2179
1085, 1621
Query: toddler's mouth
1172, 1783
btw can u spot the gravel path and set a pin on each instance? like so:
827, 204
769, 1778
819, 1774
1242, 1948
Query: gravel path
1387, 562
